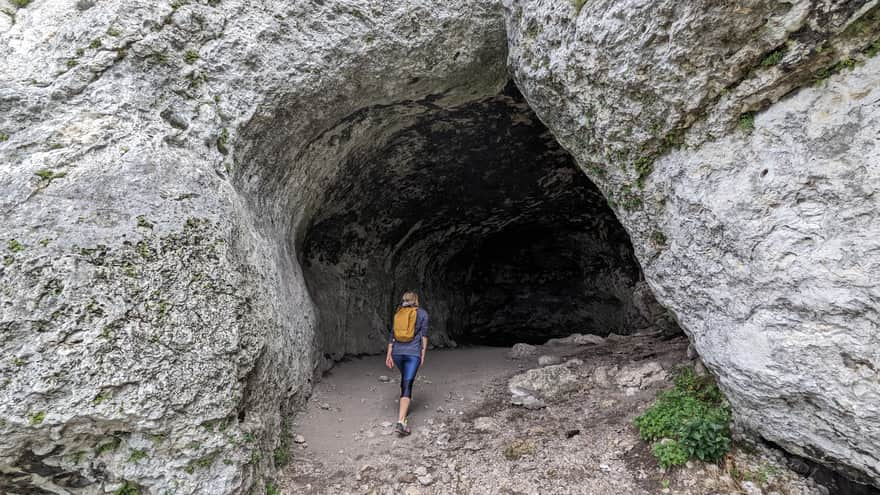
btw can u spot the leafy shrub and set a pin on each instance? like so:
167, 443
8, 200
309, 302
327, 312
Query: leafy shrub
669, 453
707, 439
692, 419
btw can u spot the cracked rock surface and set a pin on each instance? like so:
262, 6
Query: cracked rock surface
738, 143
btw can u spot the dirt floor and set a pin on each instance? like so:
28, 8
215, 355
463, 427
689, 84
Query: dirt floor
469, 438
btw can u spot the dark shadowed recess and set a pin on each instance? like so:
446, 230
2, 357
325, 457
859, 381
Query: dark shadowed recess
481, 211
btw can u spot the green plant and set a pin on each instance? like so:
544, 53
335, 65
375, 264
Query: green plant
773, 58
96, 43
143, 222
137, 455
746, 122
37, 417
14, 246
127, 489
707, 439
4, 137
693, 414
281, 456
21, 3
658, 238
644, 166
71, 63
847, 63
111, 31
873, 49
107, 447
518, 448
578, 5
49, 175
271, 489
191, 56
669, 453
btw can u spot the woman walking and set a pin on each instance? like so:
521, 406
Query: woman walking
406, 350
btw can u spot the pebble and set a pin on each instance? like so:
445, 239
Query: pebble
324, 406
421, 471
485, 424
384, 378
299, 439
386, 424
426, 479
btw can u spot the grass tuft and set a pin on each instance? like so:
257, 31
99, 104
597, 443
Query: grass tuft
773, 58
746, 122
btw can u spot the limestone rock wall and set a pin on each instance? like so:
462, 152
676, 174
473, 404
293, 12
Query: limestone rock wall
738, 142
154, 324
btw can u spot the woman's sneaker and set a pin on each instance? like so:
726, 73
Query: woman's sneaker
401, 429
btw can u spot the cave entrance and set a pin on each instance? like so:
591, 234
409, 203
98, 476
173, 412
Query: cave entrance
479, 210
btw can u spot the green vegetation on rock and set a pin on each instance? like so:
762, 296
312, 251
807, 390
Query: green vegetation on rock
137, 455
746, 122
37, 417
692, 420
14, 246
48, 175
127, 489
773, 58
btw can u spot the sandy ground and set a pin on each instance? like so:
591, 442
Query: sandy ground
343, 420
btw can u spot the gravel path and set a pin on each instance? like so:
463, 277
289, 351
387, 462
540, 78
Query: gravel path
469, 439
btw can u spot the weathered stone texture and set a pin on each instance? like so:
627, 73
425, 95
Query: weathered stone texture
759, 231
155, 324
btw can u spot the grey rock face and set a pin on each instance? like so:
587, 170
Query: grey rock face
754, 216
154, 322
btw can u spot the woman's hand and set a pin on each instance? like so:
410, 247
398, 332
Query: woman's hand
388, 361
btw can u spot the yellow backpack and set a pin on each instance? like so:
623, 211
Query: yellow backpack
405, 324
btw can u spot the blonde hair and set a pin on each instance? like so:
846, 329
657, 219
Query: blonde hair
411, 297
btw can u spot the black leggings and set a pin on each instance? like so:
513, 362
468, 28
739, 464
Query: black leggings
408, 365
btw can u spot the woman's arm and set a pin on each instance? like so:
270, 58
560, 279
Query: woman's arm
424, 348
388, 361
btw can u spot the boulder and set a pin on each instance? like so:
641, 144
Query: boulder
740, 154
534, 387
549, 359
640, 376
523, 351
